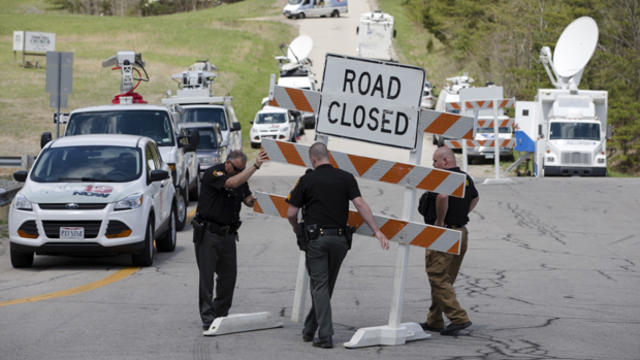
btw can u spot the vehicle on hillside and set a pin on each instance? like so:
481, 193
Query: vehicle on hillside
94, 195
129, 114
275, 123
195, 102
567, 127
375, 36
300, 9
210, 150
427, 96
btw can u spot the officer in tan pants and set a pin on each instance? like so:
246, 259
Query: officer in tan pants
442, 268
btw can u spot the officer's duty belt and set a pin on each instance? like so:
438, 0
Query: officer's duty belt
332, 231
221, 229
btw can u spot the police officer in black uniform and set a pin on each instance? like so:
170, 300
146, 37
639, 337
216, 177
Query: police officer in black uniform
442, 268
324, 193
224, 187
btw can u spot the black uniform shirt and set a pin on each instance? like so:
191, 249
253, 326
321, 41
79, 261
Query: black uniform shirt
325, 193
217, 203
458, 210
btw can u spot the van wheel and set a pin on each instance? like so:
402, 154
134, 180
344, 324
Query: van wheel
195, 192
20, 259
167, 242
335, 13
145, 257
181, 208
301, 15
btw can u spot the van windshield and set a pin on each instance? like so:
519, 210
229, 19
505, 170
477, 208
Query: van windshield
88, 163
151, 123
574, 131
207, 115
208, 137
294, 2
271, 118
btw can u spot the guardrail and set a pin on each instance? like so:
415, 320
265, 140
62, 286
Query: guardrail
24, 161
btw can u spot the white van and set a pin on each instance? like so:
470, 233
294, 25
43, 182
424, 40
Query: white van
300, 9
375, 34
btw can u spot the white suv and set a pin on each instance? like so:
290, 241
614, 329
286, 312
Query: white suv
94, 194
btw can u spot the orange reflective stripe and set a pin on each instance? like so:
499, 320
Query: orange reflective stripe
333, 161
299, 100
427, 236
257, 208
361, 163
281, 205
397, 172
455, 248
504, 103
442, 123
355, 220
273, 102
432, 180
392, 227
290, 153
459, 191
468, 135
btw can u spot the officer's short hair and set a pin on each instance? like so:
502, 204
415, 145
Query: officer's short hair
319, 151
237, 154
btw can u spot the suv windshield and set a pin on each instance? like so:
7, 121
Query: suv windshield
151, 123
208, 115
271, 118
88, 163
208, 138
574, 131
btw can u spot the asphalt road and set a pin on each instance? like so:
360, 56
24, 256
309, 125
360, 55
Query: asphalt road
552, 272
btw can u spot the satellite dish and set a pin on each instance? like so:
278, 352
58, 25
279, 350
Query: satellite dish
300, 48
575, 47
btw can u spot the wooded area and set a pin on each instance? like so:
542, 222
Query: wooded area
500, 41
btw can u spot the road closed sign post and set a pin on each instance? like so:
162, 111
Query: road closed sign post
372, 101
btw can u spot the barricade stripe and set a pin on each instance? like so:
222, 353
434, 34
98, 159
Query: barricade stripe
361, 163
355, 220
434, 177
273, 102
397, 173
442, 123
455, 249
281, 205
504, 103
459, 191
299, 100
290, 153
392, 227
427, 237
257, 208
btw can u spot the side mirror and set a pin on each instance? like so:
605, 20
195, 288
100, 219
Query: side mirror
45, 138
158, 175
540, 134
20, 175
235, 126
194, 141
251, 122
394, 33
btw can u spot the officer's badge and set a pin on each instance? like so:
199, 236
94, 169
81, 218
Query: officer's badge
217, 173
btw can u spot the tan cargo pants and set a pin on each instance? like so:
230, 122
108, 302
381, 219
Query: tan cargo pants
442, 270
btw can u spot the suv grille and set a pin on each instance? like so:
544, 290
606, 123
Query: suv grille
52, 227
576, 158
63, 206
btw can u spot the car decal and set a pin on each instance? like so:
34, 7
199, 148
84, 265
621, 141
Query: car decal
95, 190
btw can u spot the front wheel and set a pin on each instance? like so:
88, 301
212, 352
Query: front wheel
20, 259
182, 202
335, 13
167, 242
145, 257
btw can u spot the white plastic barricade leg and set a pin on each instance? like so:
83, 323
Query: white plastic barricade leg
302, 287
235, 323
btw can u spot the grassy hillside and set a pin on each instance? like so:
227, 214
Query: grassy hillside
242, 50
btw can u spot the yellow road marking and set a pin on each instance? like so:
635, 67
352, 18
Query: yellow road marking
190, 215
118, 275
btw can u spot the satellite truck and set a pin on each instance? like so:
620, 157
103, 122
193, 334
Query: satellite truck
375, 34
195, 102
566, 128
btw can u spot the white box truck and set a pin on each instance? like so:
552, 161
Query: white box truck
375, 34
568, 126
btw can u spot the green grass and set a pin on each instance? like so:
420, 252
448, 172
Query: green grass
242, 50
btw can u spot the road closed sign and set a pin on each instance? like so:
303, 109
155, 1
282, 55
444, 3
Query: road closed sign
371, 101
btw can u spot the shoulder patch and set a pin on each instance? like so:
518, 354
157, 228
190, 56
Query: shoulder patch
217, 173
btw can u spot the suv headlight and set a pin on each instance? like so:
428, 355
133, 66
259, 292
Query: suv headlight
130, 202
21, 202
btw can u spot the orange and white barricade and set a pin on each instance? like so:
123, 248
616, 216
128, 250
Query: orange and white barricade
449, 125
458, 144
480, 104
295, 99
485, 123
400, 231
430, 179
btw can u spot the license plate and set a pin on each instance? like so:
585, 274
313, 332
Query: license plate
488, 156
71, 233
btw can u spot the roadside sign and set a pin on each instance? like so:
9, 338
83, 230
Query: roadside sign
39, 42
372, 101
18, 40
59, 76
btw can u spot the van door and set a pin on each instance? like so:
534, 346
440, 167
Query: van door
154, 188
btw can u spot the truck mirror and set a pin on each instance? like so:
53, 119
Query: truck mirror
540, 134
45, 138
235, 126
20, 175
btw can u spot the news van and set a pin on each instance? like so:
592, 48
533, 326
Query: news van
301, 9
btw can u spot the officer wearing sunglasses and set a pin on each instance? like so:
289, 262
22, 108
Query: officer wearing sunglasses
224, 188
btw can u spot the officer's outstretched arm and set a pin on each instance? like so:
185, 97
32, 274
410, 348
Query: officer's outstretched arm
367, 216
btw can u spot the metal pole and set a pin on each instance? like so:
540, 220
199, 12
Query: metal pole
58, 94
496, 145
402, 257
